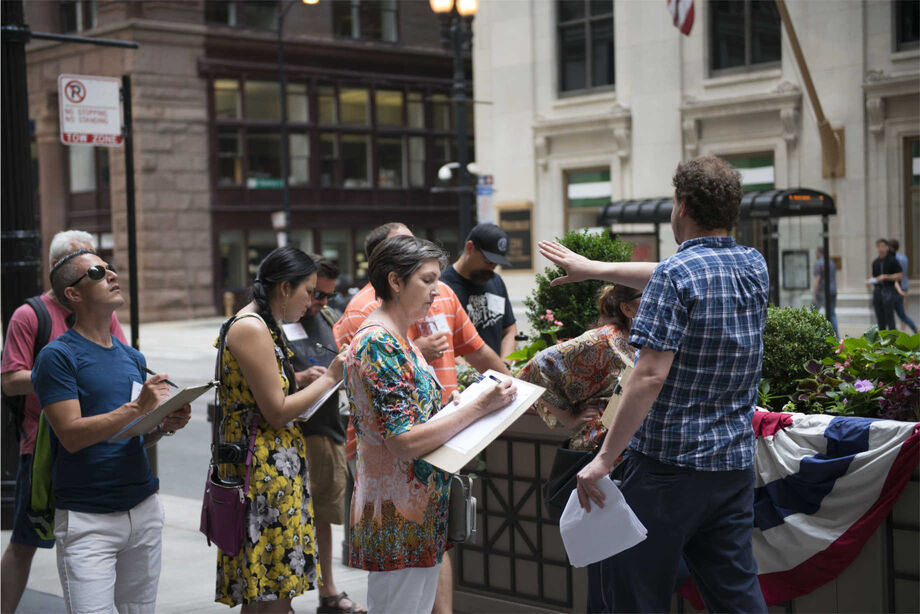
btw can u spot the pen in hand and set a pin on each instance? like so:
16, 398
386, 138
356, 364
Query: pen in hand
327, 348
165, 380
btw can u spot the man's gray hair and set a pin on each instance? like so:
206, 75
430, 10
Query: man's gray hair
403, 255
67, 242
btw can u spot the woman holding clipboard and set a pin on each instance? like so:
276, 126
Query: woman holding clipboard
259, 403
399, 508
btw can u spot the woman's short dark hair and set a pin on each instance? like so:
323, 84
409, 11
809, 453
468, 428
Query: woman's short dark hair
710, 188
402, 255
608, 305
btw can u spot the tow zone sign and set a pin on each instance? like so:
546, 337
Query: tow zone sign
90, 110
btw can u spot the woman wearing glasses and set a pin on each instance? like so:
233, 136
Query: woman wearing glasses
579, 374
257, 392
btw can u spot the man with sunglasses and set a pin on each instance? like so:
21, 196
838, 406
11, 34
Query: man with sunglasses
108, 520
313, 344
43, 316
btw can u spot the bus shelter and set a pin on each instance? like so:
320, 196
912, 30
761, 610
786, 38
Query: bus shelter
761, 217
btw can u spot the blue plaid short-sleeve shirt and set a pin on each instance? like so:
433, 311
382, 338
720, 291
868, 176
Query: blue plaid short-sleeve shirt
708, 304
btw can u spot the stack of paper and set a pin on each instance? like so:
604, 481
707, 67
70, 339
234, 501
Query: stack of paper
593, 536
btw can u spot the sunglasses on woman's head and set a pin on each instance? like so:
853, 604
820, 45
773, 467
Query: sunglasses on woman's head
95, 273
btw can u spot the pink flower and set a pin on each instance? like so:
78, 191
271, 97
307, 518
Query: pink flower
557, 323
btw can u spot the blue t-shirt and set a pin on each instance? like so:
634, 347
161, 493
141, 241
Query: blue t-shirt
107, 476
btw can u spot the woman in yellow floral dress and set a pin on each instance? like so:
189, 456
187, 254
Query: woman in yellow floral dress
277, 560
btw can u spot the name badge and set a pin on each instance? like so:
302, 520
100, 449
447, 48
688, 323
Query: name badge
294, 331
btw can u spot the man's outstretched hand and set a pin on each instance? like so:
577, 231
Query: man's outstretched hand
577, 267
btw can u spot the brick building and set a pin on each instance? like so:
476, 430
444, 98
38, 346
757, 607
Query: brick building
369, 123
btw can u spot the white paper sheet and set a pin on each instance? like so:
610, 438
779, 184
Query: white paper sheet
294, 331
464, 441
605, 531
316, 406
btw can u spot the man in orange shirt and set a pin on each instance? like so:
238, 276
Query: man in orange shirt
444, 333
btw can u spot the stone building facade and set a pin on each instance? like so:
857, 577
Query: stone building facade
369, 123
590, 102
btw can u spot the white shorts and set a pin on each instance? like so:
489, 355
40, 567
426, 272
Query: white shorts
110, 561
404, 591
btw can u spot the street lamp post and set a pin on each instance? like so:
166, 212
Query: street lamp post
456, 35
285, 146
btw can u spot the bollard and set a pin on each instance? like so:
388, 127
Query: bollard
228, 304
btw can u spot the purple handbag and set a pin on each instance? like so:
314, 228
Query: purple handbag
223, 511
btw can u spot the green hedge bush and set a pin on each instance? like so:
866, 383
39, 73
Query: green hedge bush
791, 338
575, 305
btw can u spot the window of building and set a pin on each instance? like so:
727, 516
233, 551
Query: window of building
912, 205
257, 14
329, 154
82, 168
906, 25
390, 162
585, 44
262, 100
299, 159
744, 35
353, 104
232, 262
417, 161
440, 112
389, 104
328, 111
586, 191
374, 20
263, 152
416, 110
229, 157
355, 160
298, 106
226, 99
77, 15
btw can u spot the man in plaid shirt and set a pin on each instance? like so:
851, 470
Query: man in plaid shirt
685, 415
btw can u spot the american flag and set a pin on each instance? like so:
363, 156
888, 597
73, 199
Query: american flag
824, 485
682, 14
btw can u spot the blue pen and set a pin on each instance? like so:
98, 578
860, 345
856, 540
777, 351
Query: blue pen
312, 360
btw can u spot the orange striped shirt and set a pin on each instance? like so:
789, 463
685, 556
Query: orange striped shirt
465, 340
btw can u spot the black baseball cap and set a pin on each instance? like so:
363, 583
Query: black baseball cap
492, 242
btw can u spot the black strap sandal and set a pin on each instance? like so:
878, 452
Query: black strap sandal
330, 605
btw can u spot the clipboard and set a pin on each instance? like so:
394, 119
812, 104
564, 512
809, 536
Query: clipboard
614, 403
316, 406
150, 420
465, 445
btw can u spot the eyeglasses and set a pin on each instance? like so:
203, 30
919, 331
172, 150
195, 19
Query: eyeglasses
320, 295
95, 273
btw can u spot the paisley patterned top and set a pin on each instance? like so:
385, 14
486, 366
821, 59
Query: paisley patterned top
399, 508
277, 560
579, 374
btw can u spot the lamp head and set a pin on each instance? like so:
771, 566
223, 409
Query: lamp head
441, 7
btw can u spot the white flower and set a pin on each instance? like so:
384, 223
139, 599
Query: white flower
287, 462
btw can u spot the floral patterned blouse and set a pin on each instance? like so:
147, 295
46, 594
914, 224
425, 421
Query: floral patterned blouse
579, 374
399, 508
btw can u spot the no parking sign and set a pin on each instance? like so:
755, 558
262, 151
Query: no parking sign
90, 110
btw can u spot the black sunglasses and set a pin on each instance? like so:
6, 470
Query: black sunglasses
320, 295
95, 273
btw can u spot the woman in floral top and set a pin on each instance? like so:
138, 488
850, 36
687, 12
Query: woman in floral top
579, 374
399, 507
277, 559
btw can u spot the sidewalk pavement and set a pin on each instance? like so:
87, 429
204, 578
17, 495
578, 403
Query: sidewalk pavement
188, 572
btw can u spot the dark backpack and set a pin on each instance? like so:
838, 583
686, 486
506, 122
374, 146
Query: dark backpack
14, 407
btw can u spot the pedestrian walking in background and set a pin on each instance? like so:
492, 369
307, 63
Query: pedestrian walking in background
19, 353
684, 420
901, 288
108, 520
324, 431
258, 403
830, 309
399, 508
886, 272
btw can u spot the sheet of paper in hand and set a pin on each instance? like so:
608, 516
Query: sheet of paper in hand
150, 420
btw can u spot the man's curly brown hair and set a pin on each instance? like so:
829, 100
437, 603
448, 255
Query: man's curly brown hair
711, 190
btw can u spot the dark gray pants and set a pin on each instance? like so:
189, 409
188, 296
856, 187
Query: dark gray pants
706, 517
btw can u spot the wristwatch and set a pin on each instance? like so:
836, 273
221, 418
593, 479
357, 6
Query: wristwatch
163, 432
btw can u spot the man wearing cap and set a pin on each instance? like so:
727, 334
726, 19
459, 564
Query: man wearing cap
481, 292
